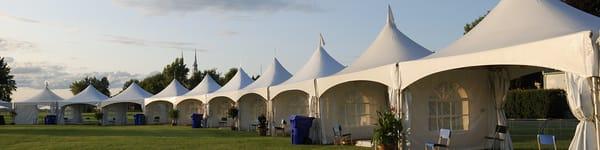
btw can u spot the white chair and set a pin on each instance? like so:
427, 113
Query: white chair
545, 139
442, 142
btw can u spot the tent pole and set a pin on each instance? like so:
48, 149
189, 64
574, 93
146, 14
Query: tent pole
595, 105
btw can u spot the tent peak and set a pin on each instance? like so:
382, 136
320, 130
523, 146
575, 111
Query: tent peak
390, 15
321, 40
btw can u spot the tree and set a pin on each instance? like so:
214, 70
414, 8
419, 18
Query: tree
7, 83
589, 6
223, 80
101, 85
154, 83
197, 77
177, 69
129, 82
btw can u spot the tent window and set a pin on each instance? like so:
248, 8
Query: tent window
449, 108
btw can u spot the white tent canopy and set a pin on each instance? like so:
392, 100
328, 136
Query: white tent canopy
320, 64
254, 97
27, 109
231, 90
169, 94
115, 108
546, 33
192, 101
368, 85
390, 46
89, 96
133, 94
207, 85
158, 106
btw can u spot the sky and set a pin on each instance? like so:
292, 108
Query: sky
59, 41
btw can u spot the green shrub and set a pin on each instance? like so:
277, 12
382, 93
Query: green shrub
537, 103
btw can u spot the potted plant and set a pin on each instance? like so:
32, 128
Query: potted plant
99, 116
233, 114
174, 114
13, 114
262, 125
388, 132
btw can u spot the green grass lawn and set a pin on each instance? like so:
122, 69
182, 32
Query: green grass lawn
140, 137
184, 137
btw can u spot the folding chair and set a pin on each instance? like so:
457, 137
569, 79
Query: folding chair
340, 138
545, 139
442, 142
281, 128
496, 140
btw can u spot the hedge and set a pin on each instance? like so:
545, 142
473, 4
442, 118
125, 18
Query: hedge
537, 103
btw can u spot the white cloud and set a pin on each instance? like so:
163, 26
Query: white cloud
7, 44
150, 43
34, 75
159, 7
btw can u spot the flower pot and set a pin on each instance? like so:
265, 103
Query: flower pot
393, 146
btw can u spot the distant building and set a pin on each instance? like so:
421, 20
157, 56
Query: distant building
555, 80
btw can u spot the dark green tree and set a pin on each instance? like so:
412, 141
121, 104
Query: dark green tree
177, 69
101, 85
129, 82
223, 80
154, 83
7, 83
197, 77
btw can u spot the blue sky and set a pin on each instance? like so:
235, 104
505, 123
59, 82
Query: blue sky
63, 40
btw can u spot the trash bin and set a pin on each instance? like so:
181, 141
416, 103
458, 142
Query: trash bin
300, 127
139, 119
2, 122
50, 119
196, 120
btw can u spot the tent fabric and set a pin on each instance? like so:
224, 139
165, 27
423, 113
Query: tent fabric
553, 16
499, 84
27, 109
116, 113
133, 94
89, 96
579, 97
231, 90
186, 108
207, 85
320, 64
250, 107
217, 109
170, 93
157, 112
389, 47
274, 75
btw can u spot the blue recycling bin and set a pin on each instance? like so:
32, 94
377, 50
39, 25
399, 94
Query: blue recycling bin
300, 127
196, 120
139, 119
50, 119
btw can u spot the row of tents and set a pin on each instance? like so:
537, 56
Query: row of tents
461, 87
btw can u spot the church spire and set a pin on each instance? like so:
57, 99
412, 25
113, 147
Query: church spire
195, 65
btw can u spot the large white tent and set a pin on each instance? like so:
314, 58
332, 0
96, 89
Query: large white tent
352, 97
158, 106
253, 101
115, 108
541, 35
27, 109
89, 96
297, 95
221, 100
193, 101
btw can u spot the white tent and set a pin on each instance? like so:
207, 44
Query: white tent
115, 108
27, 110
542, 34
221, 100
296, 96
254, 97
158, 106
192, 101
352, 97
89, 96
4, 105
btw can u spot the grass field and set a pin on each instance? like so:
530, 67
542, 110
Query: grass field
184, 137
